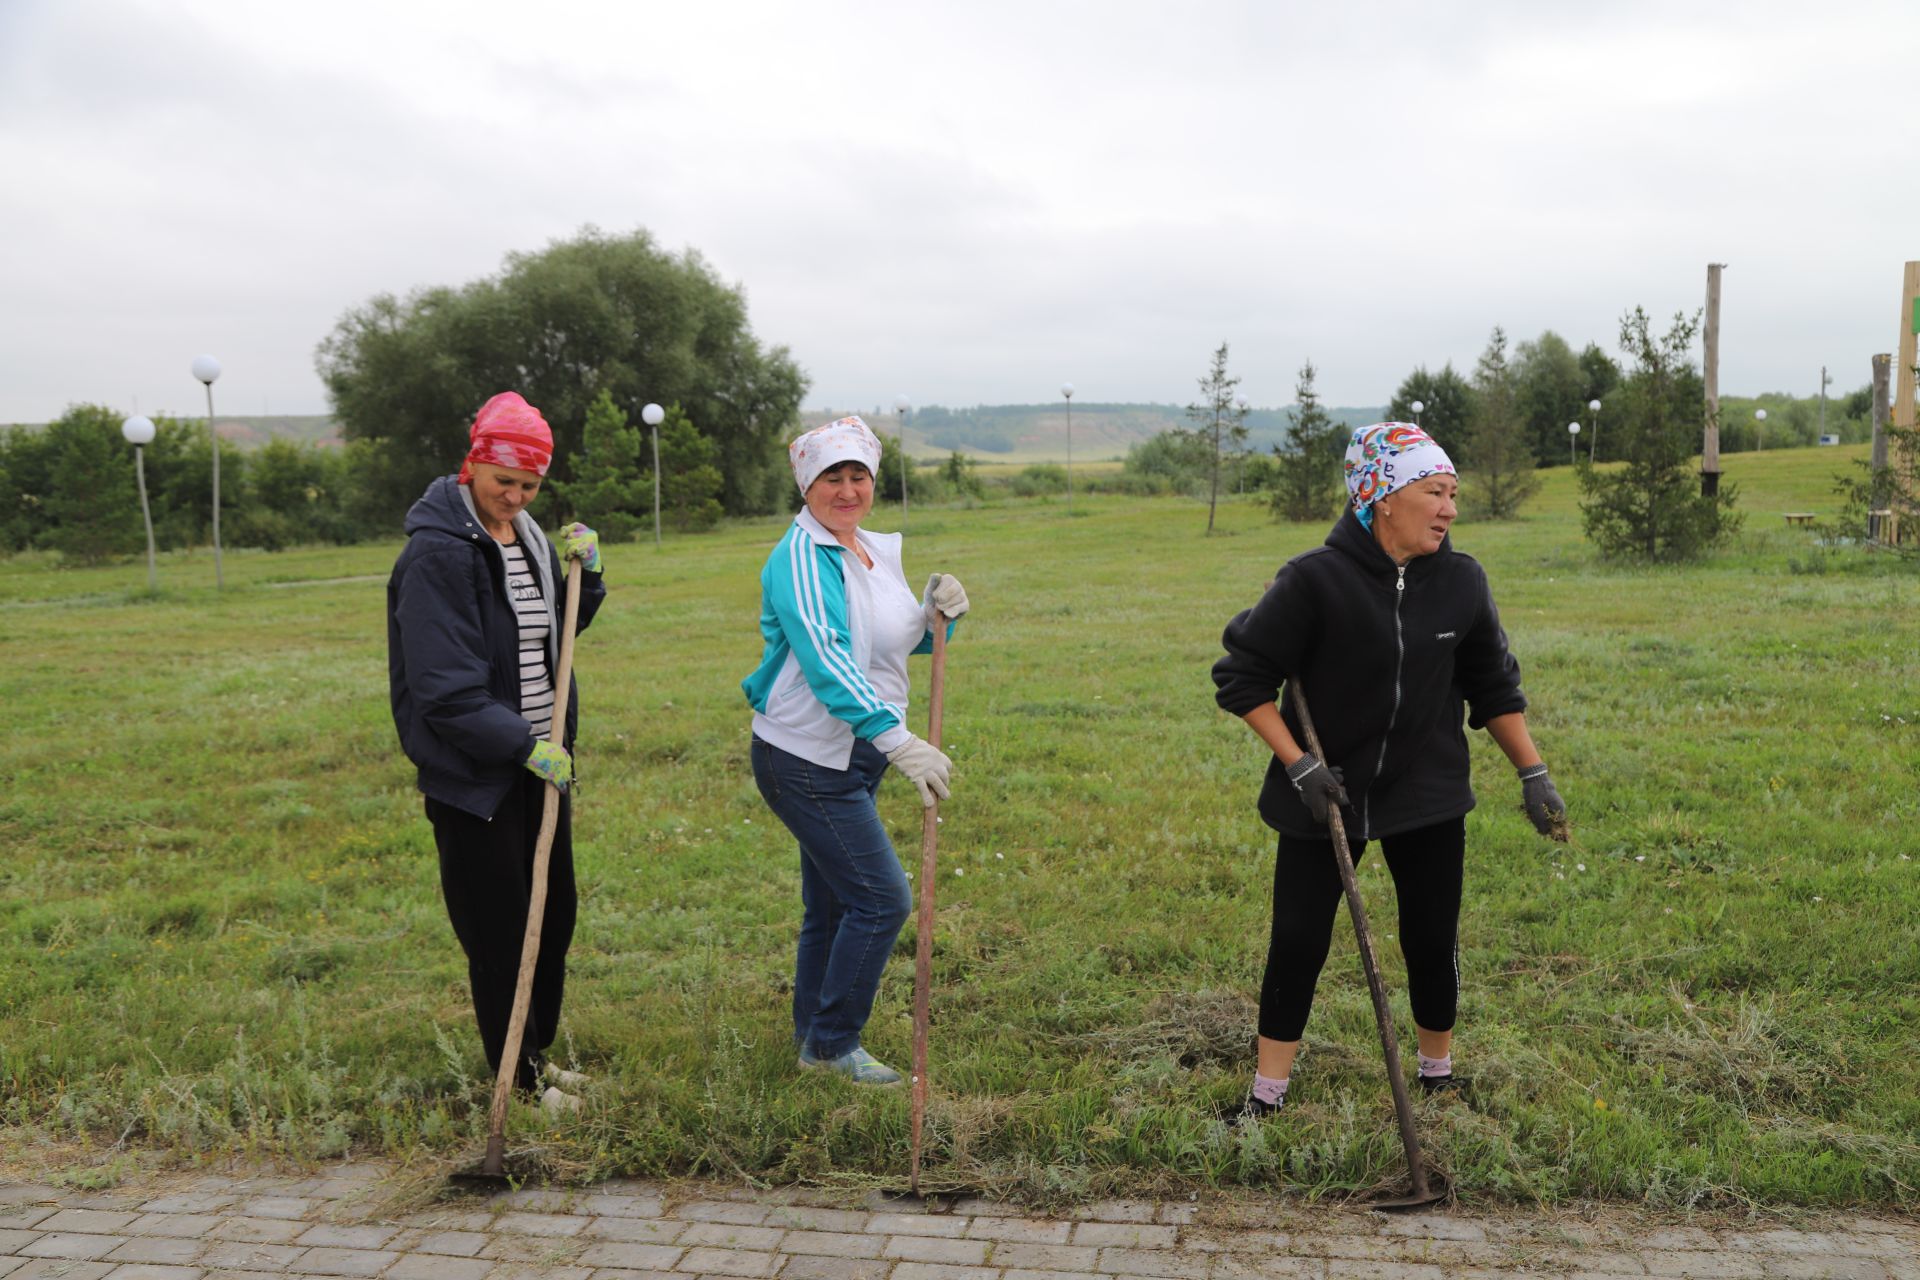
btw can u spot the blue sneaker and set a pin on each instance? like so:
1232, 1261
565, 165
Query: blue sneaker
856, 1064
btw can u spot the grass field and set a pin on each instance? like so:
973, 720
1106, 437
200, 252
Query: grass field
221, 931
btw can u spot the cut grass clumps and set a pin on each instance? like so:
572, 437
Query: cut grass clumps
221, 930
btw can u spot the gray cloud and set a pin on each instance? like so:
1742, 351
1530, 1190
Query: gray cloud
966, 204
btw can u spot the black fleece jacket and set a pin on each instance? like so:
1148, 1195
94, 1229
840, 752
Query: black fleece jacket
1386, 658
453, 652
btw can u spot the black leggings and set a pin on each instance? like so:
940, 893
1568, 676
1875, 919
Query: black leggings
486, 876
1426, 866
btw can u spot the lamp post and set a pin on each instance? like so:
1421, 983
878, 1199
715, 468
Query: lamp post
903, 407
1573, 444
1066, 389
1593, 445
1760, 428
139, 433
1418, 408
207, 370
653, 415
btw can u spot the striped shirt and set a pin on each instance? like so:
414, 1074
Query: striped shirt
536, 683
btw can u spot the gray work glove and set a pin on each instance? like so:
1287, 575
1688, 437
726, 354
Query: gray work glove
1319, 785
1541, 803
924, 765
945, 597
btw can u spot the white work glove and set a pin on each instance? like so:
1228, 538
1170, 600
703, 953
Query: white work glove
945, 596
924, 765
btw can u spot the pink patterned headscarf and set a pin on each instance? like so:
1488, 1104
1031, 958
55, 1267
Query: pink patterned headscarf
509, 432
1388, 456
847, 440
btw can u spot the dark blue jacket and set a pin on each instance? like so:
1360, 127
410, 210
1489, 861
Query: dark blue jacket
1388, 663
453, 650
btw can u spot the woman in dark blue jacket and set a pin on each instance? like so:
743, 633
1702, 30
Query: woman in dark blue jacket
1393, 636
473, 633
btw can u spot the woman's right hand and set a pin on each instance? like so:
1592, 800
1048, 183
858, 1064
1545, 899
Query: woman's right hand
924, 765
551, 761
1320, 785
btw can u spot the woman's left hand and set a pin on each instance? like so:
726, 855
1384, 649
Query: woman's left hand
1541, 802
577, 542
945, 596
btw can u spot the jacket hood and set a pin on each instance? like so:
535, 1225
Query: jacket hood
1354, 540
443, 508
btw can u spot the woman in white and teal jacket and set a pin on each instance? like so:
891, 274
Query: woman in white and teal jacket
829, 714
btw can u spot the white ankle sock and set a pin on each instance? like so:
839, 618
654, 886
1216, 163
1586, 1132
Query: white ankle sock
1436, 1066
1268, 1090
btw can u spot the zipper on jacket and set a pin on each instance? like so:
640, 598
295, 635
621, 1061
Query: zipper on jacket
1399, 661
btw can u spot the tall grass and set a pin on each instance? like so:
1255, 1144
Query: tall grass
220, 929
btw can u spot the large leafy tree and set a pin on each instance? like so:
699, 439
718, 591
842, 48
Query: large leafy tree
597, 313
1496, 459
1446, 404
1651, 508
1551, 386
1308, 460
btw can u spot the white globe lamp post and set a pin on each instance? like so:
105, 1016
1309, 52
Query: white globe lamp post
1418, 408
653, 415
207, 370
1573, 443
1760, 428
139, 433
1593, 445
1066, 389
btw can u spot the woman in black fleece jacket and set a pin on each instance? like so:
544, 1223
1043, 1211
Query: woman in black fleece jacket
1393, 636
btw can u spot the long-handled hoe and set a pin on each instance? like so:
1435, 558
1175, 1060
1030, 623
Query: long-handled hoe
1427, 1188
923, 941
492, 1174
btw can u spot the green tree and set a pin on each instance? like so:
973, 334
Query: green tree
1172, 460
1447, 402
611, 490
1219, 424
90, 509
1601, 376
1552, 389
25, 466
591, 314
1309, 484
1496, 458
1651, 508
958, 471
690, 480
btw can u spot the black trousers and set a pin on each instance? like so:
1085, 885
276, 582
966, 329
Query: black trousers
486, 876
1427, 866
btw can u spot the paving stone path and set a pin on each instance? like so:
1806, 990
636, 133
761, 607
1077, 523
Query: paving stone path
343, 1224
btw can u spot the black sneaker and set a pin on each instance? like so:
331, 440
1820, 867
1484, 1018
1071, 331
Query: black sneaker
1253, 1111
1448, 1083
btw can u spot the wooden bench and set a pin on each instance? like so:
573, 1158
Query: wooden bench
1799, 517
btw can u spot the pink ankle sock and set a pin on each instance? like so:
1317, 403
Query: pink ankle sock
1268, 1090
1436, 1066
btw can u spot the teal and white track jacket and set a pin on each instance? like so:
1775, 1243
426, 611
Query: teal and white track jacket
837, 639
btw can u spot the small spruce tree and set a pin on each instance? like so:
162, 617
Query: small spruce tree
1496, 455
1308, 461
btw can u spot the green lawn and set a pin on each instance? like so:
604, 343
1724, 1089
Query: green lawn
221, 929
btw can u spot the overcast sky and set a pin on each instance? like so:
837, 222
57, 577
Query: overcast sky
963, 203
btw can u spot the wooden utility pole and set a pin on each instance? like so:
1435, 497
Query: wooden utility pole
1710, 369
1901, 417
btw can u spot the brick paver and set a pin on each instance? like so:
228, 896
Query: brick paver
333, 1227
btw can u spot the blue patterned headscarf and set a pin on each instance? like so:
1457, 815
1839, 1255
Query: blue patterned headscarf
1388, 456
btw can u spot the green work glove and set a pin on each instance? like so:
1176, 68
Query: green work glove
577, 542
551, 761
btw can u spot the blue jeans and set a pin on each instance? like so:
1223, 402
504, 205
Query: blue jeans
854, 894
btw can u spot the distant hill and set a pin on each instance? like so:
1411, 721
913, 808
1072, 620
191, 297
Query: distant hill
1035, 432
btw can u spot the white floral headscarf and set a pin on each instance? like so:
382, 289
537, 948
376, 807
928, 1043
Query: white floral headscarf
846, 440
1388, 456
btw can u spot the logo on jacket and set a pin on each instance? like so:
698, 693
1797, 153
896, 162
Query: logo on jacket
1445, 635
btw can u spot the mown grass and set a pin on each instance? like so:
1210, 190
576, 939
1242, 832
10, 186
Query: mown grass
221, 933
